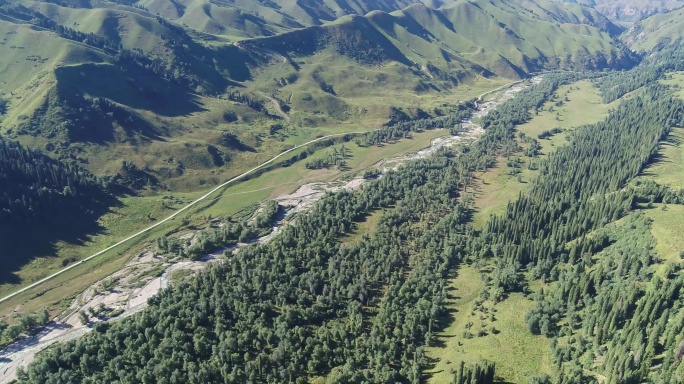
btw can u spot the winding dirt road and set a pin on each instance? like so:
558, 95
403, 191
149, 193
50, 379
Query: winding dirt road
277, 106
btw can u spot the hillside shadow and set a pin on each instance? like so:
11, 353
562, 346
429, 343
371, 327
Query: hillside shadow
238, 62
100, 127
23, 242
128, 86
101, 103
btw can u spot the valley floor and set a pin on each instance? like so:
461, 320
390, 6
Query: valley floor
124, 291
495, 331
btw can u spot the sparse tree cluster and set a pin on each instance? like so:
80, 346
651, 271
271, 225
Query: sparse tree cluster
24, 323
238, 97
225, 233
401, 125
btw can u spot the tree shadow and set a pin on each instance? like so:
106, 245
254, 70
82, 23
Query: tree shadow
673, 140
31, 340
444, 320
25, 241
656, 159
230, 140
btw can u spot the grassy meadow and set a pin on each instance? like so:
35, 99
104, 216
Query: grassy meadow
667, 228
677, 80
496, 332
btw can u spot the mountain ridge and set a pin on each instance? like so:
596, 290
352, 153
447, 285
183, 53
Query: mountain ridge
630, 11
434, 50
656, 31
437, 27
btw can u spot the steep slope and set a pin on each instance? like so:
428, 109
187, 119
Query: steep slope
43, 200
630, 11
249, 18
111, 73
655, 31
500, 37
171, 50
115, 76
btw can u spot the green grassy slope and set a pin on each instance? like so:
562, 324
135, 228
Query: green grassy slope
629, 11
145, 86
155, 79
657, 30
504, 38
248, 18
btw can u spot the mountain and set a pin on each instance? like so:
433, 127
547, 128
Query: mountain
493, 38
656, 31
630, 11
99, 82
249, 18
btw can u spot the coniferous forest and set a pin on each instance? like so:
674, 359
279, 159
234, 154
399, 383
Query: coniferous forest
38, 192
35, 186
305, 305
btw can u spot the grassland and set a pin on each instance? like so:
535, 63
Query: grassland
659, 29
517, 353
367, 226
360, 95
668, 169
676, 80
285, 180
667, 228
579, 104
